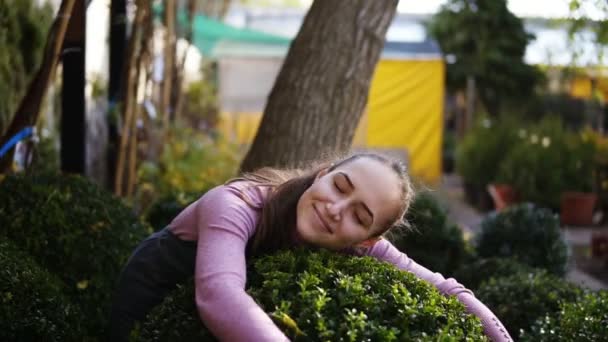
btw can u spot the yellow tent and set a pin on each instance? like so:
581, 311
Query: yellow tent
404, 114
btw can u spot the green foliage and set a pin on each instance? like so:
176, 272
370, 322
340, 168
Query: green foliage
74, 229
585, 320
479, 155
526, 233
164, 210
473, 274
320, 296
433, 241
522, 298
32, 306
488, 43
548, 146
23, 29
190, 163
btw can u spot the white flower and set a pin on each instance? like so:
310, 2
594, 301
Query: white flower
534, 138
487, 123
522, 133
546, 141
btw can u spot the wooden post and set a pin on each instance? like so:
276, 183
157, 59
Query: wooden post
73, 116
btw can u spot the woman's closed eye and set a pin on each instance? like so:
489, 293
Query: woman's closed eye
340, 190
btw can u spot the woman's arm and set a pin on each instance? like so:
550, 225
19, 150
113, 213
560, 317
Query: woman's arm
493, 328
225, 225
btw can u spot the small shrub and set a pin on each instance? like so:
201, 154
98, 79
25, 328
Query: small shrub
32, 305
473, 274
522, 298
165, 209
320, 296
585, 320
480, 153
433, 241
74, 229
526, 233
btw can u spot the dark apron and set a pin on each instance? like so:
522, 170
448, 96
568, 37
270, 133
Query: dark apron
157, 266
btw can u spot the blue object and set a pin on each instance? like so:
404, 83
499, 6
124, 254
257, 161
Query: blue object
24, 133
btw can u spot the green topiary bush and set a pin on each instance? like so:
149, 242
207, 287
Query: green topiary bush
473, 274
432, 241
165, 209
320, 296
520, 299
32, 305
585, 320
526, 233
76, 230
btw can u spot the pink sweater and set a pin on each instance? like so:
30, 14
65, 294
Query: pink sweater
222, 223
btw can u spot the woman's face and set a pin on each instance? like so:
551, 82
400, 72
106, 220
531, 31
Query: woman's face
349, 205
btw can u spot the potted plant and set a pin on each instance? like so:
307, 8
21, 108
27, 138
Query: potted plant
578, 199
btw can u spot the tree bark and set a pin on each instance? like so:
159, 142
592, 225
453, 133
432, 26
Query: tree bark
169, 62
322, 88
118, 42
177, 105
29, 108
129, 98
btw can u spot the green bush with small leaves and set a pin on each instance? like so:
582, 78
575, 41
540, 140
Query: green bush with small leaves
165, 209
473, 274
74, 229
432, 240
529, 234
32, 304
321, 296
522, 298
585, 320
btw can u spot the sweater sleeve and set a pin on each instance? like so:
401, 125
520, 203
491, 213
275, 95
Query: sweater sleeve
225, 224
493, 328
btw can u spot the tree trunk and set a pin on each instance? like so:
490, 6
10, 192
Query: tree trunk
169, 62
29, 108
118, 42
177, 105
129, 88
322, 88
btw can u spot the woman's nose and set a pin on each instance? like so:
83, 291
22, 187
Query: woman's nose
335, 210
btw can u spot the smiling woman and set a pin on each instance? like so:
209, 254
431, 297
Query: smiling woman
345, 206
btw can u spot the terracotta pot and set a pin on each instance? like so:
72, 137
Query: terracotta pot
503, 195
576, 208
599, 245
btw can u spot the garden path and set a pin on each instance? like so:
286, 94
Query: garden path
451, 195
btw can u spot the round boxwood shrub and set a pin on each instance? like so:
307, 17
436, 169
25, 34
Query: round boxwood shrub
432, 240
166, 208
321, 296
522, 298
32, 305
76, 230
526, 233
473, 274
585, 320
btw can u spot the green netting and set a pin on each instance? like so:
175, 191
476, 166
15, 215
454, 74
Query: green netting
208, 32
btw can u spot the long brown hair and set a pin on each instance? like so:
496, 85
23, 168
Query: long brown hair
276, 228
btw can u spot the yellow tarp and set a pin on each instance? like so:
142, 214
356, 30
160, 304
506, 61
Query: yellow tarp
405, 111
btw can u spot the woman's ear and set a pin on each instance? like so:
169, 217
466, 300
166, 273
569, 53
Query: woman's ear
322, 173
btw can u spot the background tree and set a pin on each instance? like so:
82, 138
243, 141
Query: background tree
23, 28
322, 88
488, 43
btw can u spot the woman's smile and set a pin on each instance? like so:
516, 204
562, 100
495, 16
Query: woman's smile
322, 221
